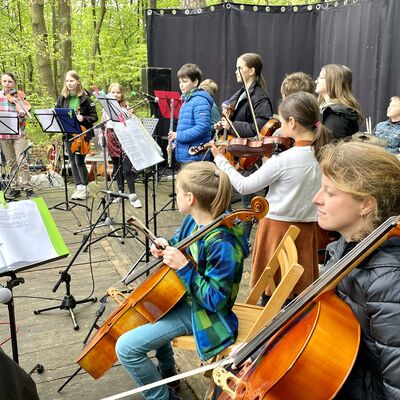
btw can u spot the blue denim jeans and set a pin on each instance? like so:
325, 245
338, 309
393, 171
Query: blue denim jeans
132, 348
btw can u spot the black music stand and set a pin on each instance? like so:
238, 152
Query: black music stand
10, 265
11, 283
115, 113
61, 120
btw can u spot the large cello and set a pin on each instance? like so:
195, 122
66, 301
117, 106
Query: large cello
153, 298
308, 350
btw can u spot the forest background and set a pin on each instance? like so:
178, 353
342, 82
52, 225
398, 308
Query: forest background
104, 40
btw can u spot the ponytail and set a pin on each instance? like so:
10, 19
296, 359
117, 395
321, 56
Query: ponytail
210, 186
303, 107
322, 137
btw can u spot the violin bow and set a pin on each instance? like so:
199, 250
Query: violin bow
231, 125
246, 89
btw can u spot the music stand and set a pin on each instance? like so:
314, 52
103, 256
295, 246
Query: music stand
165, 105
33, 215
115, 113
61, 120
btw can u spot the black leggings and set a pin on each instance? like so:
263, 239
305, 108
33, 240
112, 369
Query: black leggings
125, 172
78, 166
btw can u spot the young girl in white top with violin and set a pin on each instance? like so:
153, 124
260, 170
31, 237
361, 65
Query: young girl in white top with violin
293, 177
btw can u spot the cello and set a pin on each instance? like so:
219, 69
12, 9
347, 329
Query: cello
300, 357
152, 299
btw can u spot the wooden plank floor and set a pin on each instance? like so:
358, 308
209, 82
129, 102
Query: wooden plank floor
49, 338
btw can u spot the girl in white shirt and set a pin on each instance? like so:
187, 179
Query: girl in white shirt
293, 177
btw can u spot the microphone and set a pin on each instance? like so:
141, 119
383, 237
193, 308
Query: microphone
130, 197
154, 99
26, 148
5, 295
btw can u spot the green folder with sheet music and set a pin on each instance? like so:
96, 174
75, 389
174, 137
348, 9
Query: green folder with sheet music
28, 235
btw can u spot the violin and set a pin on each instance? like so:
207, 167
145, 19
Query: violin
19, 99
270, 127
249, 150
152, 298
80, 145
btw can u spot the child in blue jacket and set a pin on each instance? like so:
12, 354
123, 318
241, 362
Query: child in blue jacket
194, 122
390, 129
203, 194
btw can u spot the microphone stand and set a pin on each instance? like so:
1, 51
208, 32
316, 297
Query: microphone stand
15, 281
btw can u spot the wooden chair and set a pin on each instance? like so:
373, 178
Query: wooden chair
251, 316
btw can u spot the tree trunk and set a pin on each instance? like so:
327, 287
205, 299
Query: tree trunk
36, 8
96, 36
64, 12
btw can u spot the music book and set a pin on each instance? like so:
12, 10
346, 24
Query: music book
28, 235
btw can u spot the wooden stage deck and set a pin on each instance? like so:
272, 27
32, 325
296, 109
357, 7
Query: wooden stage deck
49, 338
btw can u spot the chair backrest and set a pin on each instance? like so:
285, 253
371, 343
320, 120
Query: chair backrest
284, 263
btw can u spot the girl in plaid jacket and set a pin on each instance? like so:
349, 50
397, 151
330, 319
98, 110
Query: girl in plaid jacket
203, 193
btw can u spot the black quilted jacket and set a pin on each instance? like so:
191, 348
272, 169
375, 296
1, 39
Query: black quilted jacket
372, 290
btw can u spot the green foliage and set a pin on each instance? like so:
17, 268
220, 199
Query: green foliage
119, 58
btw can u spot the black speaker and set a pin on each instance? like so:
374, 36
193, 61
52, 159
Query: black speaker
155, 79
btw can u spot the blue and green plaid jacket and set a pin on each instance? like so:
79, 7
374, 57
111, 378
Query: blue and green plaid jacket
214, 284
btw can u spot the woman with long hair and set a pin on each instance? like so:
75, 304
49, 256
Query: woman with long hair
250, 67
341, 112
75, 97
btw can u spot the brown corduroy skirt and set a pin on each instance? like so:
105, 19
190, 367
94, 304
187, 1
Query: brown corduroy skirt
268, 236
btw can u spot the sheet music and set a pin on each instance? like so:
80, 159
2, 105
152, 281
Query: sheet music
9, 122
23, 236
137, 143
47, 120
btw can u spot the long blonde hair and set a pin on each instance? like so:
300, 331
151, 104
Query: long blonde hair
119, 87
79, 88
210, 186
339, 82
365, 170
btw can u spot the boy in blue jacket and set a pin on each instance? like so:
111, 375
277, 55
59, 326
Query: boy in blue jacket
194, 122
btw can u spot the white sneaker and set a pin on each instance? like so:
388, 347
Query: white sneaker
116, 200
82, 194
74, 193
137, 203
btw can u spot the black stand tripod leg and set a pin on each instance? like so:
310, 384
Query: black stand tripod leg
69, 380
69, 302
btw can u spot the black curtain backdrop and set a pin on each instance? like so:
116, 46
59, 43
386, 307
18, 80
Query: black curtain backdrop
362, 34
